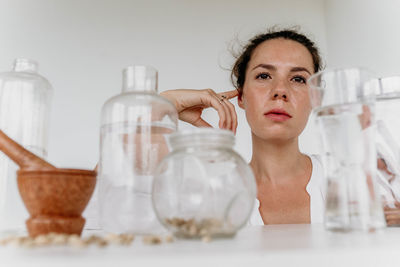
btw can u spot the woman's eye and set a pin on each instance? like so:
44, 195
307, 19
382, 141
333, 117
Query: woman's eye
299, 79
263, 76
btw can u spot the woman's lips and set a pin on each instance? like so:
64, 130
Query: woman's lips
278, 115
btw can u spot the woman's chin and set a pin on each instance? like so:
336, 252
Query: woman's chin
274, 136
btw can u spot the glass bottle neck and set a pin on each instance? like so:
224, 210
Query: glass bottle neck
140, 79
25, 65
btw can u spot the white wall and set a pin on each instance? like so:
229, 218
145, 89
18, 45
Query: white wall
364, 33
82, 46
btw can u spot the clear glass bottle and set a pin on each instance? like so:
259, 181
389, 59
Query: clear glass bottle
25, 98
134, 126
203, 188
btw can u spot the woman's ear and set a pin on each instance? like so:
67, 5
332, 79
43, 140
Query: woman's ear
240, 99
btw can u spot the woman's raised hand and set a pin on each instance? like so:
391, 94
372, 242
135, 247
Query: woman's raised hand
392, 215
191, 103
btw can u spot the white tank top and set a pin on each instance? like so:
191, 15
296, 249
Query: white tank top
314, 189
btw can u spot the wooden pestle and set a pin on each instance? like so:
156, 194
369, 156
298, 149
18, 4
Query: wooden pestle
25, 159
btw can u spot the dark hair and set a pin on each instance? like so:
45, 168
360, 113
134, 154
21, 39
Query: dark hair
238, 73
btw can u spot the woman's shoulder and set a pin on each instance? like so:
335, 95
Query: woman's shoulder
315, 159
315, 189
317, 173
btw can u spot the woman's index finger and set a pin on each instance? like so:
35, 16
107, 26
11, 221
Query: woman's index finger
229, 94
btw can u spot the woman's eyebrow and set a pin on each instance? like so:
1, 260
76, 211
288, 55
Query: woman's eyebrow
296, 69
265, 66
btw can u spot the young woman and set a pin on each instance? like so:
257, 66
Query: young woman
270, 77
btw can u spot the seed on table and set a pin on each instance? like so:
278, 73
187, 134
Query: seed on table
102, 243
130, 237
203, 232
111, 236
193, 230
52, 235
169, 239
28, 243
6, 240
126, 239
76, 241
206, 239
151, 240
60, 239
42, 240
18, 241
121, 239
73, 238
15, 241
92, 239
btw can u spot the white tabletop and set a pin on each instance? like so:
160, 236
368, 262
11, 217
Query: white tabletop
275, 245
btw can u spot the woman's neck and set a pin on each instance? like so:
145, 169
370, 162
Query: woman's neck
276, 162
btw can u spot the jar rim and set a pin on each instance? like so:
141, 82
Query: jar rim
202, 136
385, 87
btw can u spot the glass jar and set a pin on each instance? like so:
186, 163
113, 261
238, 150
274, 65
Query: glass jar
203, 188
25, 98
134, 127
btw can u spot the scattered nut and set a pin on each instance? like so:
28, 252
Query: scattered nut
76, 241
203, 232
206, 239
6, 240
112, 238
93, 239
19, 241
121, 239
28, 243
102, 243
60, 239
192, 230
151, 240
126, 239
42, 240
169, 239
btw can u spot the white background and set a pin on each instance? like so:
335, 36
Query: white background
83, 45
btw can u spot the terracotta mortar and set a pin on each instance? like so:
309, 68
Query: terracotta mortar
55, 198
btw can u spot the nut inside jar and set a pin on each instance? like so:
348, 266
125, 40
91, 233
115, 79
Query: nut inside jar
205, 228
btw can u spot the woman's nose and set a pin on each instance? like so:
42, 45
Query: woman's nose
280, 91
280, 96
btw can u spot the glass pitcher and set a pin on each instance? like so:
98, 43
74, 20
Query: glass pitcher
344, 111
25, 98
203, 188
388, 143
134, 127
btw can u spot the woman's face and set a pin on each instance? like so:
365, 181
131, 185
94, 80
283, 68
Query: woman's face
275, 93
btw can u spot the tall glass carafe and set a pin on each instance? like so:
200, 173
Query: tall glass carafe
388, 143
134, 127
25, 98
344, 111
